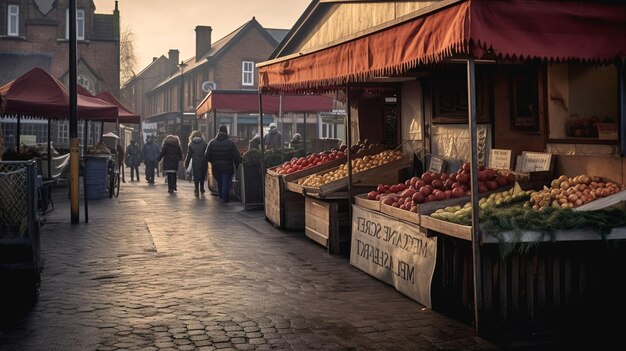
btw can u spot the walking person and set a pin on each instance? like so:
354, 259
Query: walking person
150, 154
133, 159
195, 155
225, 158
171, 154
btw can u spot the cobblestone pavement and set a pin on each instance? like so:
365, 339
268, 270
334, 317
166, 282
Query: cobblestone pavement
154, 271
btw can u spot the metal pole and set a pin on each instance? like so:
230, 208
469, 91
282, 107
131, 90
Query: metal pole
49, 152
280, 120
262, 148
621, 105
85, 136
18, 131
471, 104
74, 143
304, 134
348, 151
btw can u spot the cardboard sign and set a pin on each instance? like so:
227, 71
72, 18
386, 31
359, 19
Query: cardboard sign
607, 131
28, 139
500, 159
436, 164
396, 252
534, 162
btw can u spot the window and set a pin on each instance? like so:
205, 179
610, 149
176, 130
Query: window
85, 83
13, 21
247, 73
63, 136
582, 102
80, 24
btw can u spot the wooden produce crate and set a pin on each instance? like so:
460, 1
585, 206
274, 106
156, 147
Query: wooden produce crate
463, 232
327, 222
283, 208
357, 179
362, 201
422, 209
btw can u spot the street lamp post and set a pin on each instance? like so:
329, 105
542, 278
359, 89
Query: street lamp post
182, 66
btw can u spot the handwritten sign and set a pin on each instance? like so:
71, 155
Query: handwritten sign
395, 252
436, 164
534, 162
500, 159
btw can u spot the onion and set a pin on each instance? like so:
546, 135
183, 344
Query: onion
578, 202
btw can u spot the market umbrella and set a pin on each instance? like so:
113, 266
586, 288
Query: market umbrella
125, 115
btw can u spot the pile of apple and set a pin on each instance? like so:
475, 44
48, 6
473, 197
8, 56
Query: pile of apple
433, 186
301, 163
297, 164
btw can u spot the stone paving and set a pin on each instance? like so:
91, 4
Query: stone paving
154, 271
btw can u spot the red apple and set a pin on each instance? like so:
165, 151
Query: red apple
437, 184
426, 190
372, 195
418, 197
458, 192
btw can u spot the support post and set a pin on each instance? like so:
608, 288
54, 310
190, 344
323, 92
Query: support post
476, 255
74, 143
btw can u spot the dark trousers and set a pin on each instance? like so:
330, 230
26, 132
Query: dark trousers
134, 172
150, 166
171, 180
223, 180
198, 186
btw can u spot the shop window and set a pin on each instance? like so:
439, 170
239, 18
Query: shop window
63, 133
582, 103
450, 95
80, 24
13, 21
247, 73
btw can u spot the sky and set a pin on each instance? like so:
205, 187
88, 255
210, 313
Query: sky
161, 25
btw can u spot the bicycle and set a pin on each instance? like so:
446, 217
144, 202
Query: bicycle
113, 178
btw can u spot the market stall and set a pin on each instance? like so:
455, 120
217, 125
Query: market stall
242, 102
542, 81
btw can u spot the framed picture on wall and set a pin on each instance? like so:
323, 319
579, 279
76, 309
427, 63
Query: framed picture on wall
524, 100
450, 97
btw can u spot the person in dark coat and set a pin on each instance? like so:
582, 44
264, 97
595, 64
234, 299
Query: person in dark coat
225, 158
150, 154
195, 155
171, 154
273, 139
133, 159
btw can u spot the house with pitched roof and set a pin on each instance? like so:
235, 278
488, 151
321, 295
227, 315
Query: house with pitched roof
226, 64
35, 33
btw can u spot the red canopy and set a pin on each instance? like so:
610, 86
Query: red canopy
37, 93
547, 30
248, 102
125, 115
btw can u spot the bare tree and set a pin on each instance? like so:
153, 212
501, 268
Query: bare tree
128, 60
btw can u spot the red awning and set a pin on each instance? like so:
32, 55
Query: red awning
548, 30
125, 115
36, 93
248, 102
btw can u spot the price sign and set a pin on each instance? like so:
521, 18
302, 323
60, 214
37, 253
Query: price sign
436, 164
535, 162
500, 159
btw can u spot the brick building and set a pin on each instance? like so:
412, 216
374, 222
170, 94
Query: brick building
35, 33
226, 64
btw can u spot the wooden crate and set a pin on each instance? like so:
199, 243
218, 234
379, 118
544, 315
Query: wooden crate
547, 288
283, 208
357, 179
459, 231
362, 201
327, 223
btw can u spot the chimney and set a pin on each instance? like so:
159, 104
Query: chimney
203, 40
154, 58
173, 56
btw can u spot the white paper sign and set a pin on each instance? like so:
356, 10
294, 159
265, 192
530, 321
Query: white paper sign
535, 162
28, 139
436, 164
500, 159
396, 252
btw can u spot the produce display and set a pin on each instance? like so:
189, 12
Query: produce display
565, 192
305, 162
359, 164
460, 214
433, 186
